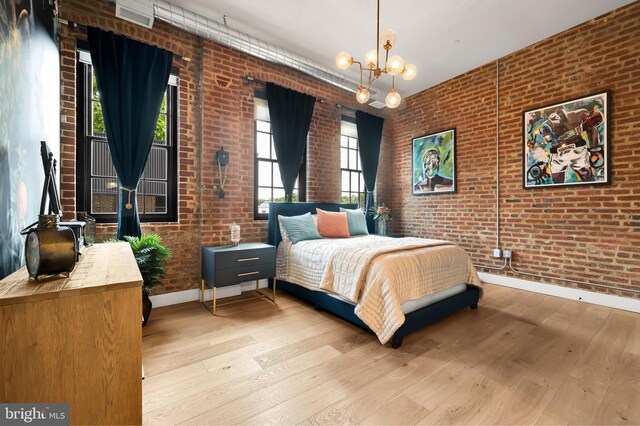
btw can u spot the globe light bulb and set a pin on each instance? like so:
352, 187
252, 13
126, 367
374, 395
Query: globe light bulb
395, 65
343, 60
387, 36
393, 99
409, 72
371, 58
363, 95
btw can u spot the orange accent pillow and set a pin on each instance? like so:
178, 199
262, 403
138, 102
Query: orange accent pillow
333, 224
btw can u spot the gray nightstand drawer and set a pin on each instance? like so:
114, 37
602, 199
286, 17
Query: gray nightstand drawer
238, 258
224, 277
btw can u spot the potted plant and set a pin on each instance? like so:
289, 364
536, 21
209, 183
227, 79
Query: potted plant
150, 256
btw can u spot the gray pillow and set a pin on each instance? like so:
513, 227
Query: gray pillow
357, 222
300, 228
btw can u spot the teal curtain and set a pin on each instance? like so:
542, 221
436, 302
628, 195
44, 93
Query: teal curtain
290, 113
132, 78
369, 139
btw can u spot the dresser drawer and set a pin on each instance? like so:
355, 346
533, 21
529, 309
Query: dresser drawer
230, 276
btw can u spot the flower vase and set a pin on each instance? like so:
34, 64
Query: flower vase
382, 226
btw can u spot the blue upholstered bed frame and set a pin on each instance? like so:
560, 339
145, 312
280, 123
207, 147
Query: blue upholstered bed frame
413, 321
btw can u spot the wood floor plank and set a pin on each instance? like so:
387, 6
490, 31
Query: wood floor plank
398, 411
203, 396
306, 403
579, 398
521, 358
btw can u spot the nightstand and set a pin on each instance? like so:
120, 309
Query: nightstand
392, 235
230, 265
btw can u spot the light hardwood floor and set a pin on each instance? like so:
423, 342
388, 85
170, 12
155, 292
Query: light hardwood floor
520, 358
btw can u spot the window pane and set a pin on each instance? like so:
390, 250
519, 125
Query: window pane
101, 164
345, 181
355, 184
353, 159
344, 158
94, 87
363, 198
155, 197
277, 179
163, 106
263, 126
353, 143
344, 141
345, 197
264, 195
274, 156
264, 173
104, 195
263, 145
278, 194
294, 196
97, 121
156, 167
160, 135
358, 166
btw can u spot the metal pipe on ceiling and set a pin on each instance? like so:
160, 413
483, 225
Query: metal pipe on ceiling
226, 36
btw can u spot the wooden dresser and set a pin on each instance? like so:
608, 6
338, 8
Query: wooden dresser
76, 340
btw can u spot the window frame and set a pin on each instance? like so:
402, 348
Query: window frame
362, 192
84, 138
302, 174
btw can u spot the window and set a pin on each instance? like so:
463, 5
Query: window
268, 184
97, 182
353, 190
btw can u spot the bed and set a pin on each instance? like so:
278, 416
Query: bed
303, 269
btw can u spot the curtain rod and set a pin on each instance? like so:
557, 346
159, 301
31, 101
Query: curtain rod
63, 21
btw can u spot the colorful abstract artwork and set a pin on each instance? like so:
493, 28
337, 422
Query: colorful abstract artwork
567, 143
434, 163
29, 113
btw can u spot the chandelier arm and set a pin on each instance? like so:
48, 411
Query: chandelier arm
378, 38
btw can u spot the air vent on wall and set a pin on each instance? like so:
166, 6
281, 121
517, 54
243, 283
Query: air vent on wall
377, 104
137, 11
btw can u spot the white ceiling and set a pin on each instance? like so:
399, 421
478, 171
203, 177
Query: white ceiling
426, 30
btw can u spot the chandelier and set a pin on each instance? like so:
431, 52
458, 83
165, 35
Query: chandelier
393, 66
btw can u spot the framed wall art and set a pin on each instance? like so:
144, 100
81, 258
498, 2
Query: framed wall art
434, 163
567, 143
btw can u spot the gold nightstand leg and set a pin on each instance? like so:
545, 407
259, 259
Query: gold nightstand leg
202, 293
214, 301
274, 290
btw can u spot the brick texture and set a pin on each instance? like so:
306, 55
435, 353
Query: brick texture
215, 110
583, 233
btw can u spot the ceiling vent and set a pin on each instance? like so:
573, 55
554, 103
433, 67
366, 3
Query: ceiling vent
137, 11
377, 104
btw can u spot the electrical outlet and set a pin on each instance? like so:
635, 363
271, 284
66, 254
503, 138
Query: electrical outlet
497, 253
507, 254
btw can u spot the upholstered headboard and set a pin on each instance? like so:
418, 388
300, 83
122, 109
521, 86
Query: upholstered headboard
295, 209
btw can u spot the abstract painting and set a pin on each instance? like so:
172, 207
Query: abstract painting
29, 113
567, 143
434, 163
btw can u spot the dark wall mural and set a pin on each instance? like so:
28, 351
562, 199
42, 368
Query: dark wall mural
29, 113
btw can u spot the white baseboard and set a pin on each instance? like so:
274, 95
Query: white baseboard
194, 294
617, 302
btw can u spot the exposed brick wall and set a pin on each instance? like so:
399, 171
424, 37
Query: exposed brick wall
216, 110
583, 233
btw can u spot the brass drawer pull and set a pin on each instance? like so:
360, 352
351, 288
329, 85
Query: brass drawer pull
247, 259
248, 273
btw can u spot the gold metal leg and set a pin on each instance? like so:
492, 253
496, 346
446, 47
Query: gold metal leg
202, 293
214, 301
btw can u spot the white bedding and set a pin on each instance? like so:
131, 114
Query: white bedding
378, 274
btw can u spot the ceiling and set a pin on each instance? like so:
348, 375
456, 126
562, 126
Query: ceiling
442, 38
